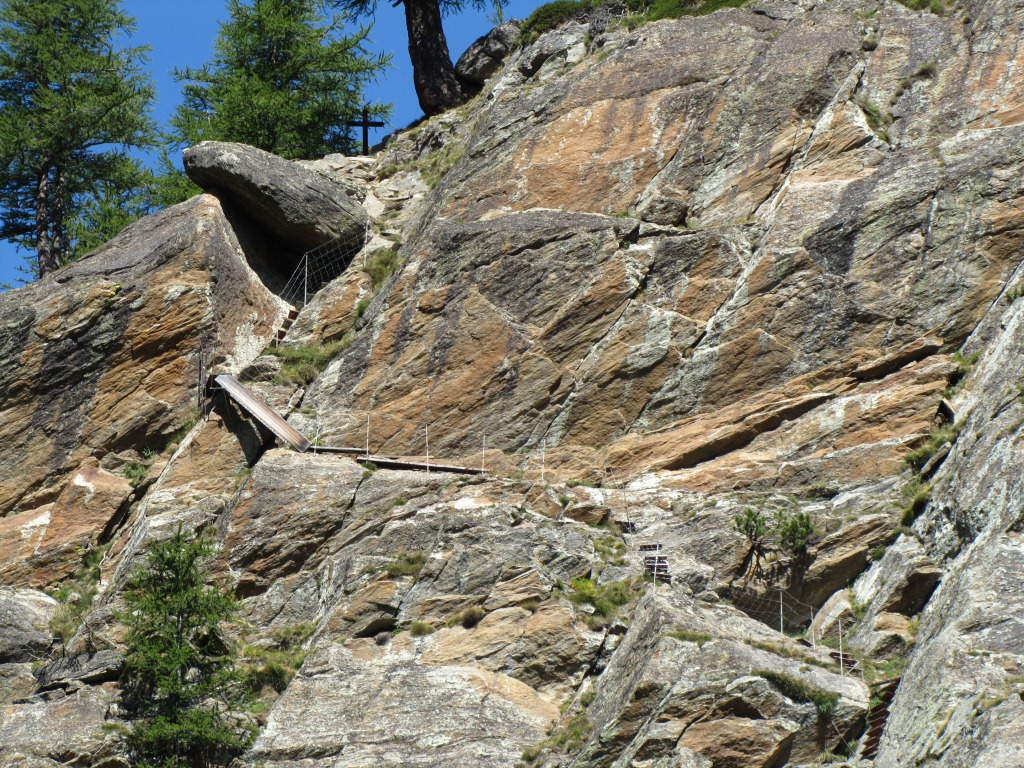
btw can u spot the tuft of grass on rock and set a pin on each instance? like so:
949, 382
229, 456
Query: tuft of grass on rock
182, 431
556, 13
674, 9
606, 599
916, 494
76, 595
380, 265
947, 433
436, 165
406, 564
886, 670
275, 667
550, 15
938, 7
136, 472
797, 690
470, 617
963, 367
877, 119
300, 365
420, 629
569, 737
691, 637
612, 550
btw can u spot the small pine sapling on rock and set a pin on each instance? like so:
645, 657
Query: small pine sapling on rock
180, 678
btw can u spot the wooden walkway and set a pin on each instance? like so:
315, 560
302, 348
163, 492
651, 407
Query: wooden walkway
397, 462
272, 420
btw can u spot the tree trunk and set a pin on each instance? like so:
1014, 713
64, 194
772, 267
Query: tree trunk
47, 259
57, 245
433, 73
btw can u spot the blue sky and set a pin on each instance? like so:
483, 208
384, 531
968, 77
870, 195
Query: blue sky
182, 34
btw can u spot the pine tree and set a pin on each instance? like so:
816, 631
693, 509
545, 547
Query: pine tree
180, 677
283, 78
437, 87
72, 104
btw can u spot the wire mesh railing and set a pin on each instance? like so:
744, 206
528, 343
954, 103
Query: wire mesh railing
773, 606
318, 267
378, 433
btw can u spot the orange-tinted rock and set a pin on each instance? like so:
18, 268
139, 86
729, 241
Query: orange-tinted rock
41, 547
736, 742
103, 355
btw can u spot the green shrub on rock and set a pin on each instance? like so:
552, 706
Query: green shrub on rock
606, 599
420, 629
795, 532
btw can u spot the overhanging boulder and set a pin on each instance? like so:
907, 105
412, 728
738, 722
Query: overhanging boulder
290, 201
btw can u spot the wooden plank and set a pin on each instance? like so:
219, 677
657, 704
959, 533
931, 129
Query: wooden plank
386, 463
338, 449
263, 413
393, 462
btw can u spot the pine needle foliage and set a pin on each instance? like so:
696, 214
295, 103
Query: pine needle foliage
752, 524
284, 78
180, 678
795, 532
73, 104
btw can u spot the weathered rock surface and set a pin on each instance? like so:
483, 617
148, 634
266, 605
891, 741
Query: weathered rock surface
658, 276
100, 667
811, 265
298, 205
466, 715
973, 712
709, 693
104, 355
67, 730
24, 624
44, 546
484, 57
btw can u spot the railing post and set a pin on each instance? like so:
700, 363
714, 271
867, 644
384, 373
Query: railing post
305, 280
426, 430
842, 666
782, 631
367, 434
483, 453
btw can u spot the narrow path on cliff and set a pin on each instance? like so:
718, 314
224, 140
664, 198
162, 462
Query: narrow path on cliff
272, 420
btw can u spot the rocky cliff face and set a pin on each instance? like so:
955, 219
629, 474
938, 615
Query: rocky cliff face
649, 278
